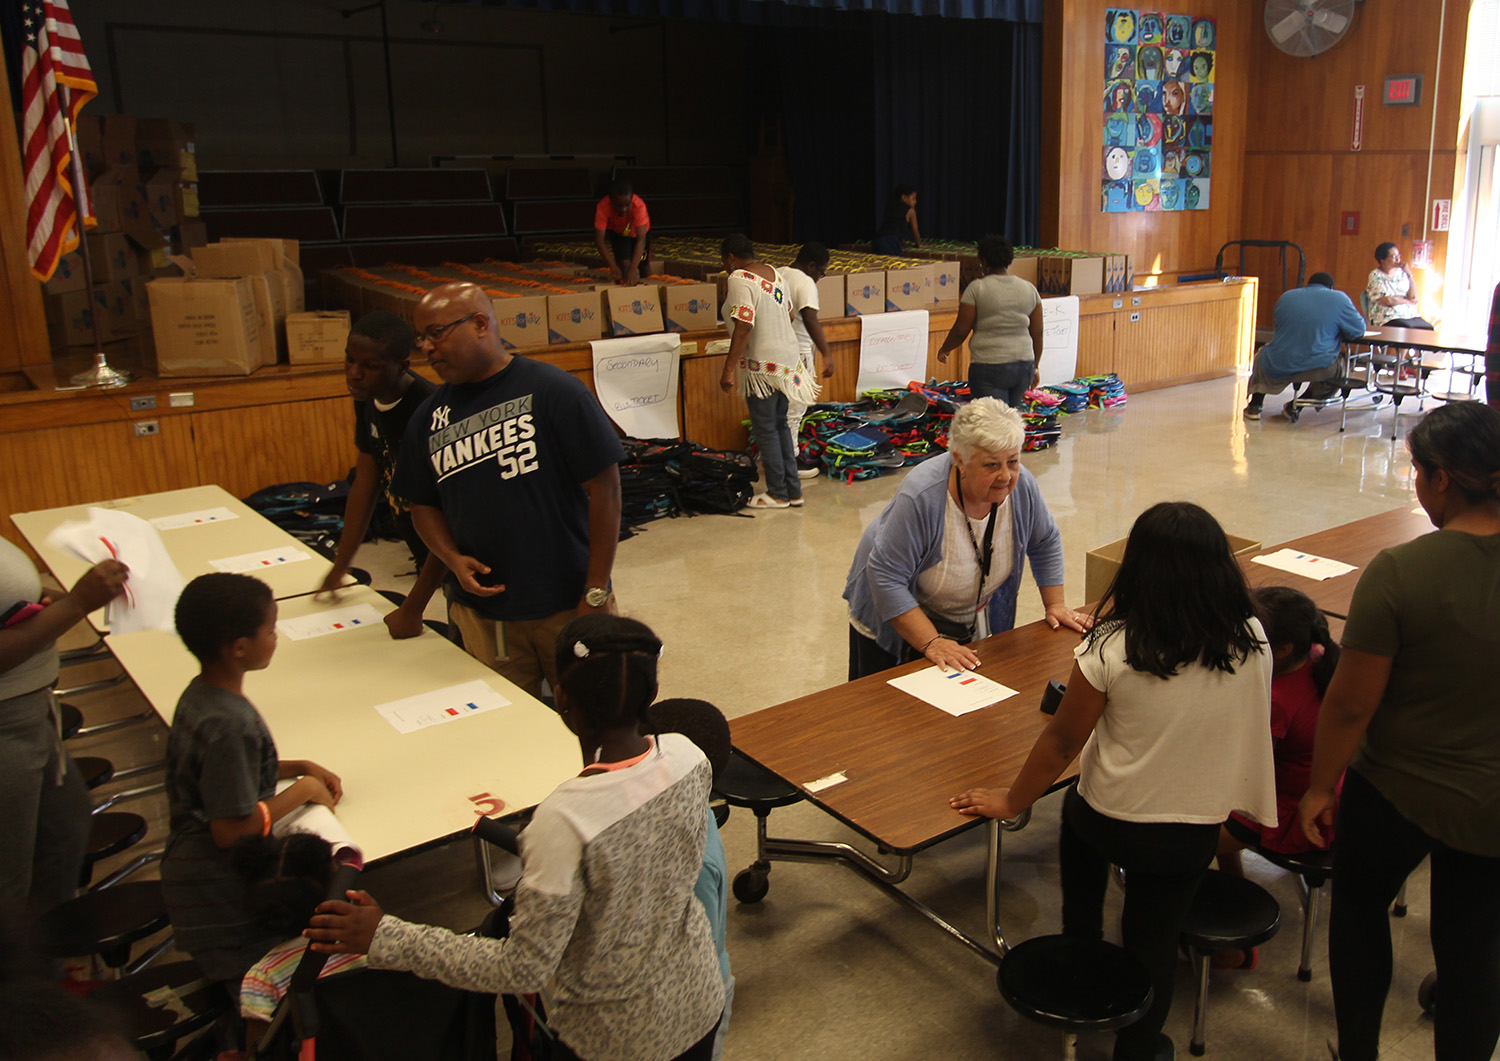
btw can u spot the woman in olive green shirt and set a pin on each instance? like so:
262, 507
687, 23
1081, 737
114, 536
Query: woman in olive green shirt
1414, 712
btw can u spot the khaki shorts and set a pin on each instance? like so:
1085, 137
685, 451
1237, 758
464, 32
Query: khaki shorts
522, 652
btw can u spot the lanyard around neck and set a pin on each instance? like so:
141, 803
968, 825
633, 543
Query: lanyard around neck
985, 555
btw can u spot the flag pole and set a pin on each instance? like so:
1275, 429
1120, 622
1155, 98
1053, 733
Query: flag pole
102, 374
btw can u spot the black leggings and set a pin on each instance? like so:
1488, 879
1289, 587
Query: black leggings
1377, 849
702, 1050
1163, 863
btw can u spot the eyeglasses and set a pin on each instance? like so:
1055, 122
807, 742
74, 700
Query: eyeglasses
433, 335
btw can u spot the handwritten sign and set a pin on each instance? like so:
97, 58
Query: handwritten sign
892, 350
636, 381
1059, 339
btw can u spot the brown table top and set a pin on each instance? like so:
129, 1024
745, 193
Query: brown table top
1354, 543
904, 758
1425, 339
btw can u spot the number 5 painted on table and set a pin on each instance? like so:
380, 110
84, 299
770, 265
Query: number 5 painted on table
486, 805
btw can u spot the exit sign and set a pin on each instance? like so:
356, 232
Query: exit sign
1403, 91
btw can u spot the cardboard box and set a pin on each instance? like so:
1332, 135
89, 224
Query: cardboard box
831, 297
112, 257
248, 257
278, 251
946, 281
522, 321
1059, 274
68, 276
1117, 274
205, 327
192, 233
864, 293
909, 288
70, 317
690, 307
118, 141
317, 338
294, 285
634, 310
576, 318
164, 144
164, 199
1025, 268
117, 201
1100, 564
140, 302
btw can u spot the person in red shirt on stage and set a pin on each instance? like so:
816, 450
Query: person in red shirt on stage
622, 229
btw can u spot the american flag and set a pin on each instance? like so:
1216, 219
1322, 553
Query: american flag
55, 79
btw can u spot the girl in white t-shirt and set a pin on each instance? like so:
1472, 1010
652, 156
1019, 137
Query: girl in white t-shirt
1168, 710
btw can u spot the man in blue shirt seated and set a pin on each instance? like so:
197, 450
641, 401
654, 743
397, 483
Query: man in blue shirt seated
1311, 324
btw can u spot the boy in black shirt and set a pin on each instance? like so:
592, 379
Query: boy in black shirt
377, 370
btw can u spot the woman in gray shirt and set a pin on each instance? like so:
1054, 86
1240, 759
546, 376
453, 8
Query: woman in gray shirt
1004, 315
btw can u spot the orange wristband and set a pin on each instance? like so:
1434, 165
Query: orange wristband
265, 818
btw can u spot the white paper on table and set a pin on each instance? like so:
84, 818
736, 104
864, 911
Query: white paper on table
248, 562
892, 350
316, 819
354, 617
957, 692
826, 782
154, 584
194, 519
440, 706
636, 381
1368, 334
1305, 564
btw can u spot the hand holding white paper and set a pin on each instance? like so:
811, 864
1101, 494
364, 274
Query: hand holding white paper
154, 585
318, 820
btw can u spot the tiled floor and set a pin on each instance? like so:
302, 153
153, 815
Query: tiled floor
751, 614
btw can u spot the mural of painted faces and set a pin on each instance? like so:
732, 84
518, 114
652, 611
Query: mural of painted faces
1119, 61
1202, 67
1173, 97
1119, 26
1119, 97
1205, 34
1149, 63
1116, 163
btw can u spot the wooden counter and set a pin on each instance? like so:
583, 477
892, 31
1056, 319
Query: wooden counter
60, 446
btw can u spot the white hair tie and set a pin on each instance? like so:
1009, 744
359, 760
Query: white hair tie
580, 650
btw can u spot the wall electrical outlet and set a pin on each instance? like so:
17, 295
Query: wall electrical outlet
142, 402
1135, 318
146, 427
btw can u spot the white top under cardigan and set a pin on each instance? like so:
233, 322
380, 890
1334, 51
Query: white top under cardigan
1189, 748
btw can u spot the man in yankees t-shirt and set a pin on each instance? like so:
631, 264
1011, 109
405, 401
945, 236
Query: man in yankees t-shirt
512, 471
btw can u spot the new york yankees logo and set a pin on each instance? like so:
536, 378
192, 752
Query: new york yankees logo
439, 418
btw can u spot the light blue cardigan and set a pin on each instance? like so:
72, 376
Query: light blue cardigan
907, 539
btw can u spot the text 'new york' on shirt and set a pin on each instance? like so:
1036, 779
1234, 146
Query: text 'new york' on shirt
504, 459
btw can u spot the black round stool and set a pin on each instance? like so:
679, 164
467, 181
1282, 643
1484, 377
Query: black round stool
162, 1004
106, 922
109, 834
1078, 985
1227, 913
744, 784
70, 719
1316, 869
95, 771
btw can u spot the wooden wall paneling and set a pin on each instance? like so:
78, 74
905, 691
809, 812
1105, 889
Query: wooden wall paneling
23, 329
58, 466
243, 450
1096, 342
711, 415
1072, 105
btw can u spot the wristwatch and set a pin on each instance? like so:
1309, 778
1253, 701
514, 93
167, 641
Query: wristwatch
596, 597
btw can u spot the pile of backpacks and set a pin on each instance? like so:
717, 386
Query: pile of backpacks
666, 477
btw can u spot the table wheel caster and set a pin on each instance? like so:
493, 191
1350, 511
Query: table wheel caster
751, 885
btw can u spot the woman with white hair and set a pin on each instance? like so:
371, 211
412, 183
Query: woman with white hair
941, 566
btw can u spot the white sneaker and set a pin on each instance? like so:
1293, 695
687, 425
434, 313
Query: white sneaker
808, 473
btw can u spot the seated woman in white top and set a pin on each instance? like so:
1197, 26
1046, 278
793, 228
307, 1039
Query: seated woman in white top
1168, 703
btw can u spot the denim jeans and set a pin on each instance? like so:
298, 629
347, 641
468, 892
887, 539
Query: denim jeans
778, 454
1008, 381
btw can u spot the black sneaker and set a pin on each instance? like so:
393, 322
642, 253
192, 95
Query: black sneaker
1252, 412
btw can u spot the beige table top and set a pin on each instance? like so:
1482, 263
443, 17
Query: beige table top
401, 791
191, 548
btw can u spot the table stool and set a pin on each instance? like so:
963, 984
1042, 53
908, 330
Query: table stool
745, 784
163, 1004
1227, 913
95, 771
109, 834
105, 922
1075, 984
1316, 869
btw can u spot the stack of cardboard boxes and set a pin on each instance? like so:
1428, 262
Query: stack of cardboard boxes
142, 176
235, 307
